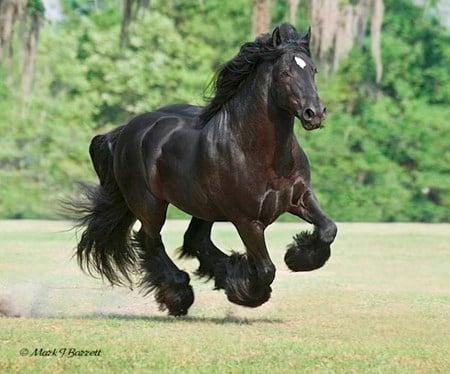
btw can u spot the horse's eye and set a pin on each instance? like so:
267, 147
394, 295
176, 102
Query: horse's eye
284, 74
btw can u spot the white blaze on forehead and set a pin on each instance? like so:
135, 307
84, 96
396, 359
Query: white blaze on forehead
300, 62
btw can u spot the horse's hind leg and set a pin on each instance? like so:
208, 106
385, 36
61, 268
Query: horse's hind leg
310, 251
161, 276
197, 244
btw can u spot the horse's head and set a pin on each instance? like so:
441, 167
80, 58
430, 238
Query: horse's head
293, 86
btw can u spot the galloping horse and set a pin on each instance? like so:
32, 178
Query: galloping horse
236, 159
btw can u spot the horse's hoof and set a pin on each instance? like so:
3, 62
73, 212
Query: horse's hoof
176, 298
241, 284
250, 298
307, 252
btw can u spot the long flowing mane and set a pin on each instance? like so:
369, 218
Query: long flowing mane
230, 77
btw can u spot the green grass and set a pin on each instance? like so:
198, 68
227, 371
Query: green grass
380, 305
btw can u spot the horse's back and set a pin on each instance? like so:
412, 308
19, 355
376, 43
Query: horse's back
165, 118
181, 110
156, 151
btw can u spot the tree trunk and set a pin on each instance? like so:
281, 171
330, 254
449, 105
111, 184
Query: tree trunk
142, 6
292, 11
30, 55
126, 20
375, 31
131, 10
324, 17
261, 16
337, 27
10, 11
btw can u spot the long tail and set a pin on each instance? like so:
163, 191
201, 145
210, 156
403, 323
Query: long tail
105, 247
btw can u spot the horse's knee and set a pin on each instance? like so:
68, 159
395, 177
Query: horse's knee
179, 277
327, 233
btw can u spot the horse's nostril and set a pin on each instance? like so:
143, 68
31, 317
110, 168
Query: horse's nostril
308, 114
324, 113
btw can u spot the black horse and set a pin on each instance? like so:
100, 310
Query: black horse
235, 160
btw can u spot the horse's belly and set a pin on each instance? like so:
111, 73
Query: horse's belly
264, 207
186, 196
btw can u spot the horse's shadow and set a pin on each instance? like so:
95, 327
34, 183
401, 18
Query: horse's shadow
185, 319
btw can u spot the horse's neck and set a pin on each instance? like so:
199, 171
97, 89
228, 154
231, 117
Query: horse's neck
252, 123
265, 131
283, 125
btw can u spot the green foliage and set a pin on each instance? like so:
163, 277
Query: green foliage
382, 156
35, 6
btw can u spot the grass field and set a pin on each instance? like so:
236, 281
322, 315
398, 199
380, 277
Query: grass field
380, 305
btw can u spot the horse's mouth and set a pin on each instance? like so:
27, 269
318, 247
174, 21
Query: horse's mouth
313, 124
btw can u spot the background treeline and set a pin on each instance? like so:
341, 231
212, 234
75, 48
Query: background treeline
384, 77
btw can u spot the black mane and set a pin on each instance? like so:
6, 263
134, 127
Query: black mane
230, 77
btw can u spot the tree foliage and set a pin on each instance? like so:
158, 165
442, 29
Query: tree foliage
382, 156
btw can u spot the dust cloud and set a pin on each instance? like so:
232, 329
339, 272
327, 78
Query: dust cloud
24, 300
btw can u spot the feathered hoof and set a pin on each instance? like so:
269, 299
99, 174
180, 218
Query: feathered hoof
241, 283
307, 252
175, 298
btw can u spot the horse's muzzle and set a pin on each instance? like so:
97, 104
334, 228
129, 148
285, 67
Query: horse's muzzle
311, 118
310, 124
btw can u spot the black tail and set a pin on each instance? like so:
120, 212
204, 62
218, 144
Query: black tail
105, 246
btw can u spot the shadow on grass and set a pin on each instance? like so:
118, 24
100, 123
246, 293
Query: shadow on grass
163, 319
186, 319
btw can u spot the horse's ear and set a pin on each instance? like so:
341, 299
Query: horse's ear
276, 37
307, 36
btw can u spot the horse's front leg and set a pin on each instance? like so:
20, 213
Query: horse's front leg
248, 276
310, 251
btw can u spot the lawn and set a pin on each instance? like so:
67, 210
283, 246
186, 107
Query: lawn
380, 305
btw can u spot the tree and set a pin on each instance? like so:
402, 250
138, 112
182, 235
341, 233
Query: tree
381, 157
30, 13
131, 9
261, 16
337, 26
10, 12
35, 13
292, 11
